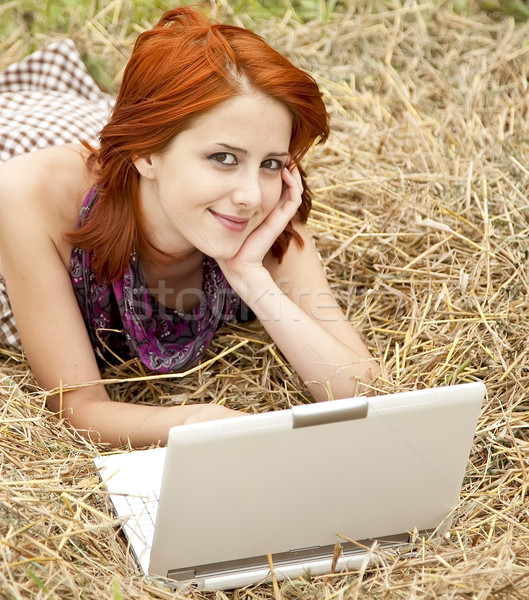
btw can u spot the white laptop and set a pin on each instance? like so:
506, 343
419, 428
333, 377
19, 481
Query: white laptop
238, 501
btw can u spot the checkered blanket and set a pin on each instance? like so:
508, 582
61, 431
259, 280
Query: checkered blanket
49, 98
46, 99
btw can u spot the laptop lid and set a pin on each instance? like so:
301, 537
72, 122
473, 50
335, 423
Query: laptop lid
238, 492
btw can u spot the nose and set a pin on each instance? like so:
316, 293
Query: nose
247, 191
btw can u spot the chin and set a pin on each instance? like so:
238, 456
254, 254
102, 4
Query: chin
222, 250
223, 255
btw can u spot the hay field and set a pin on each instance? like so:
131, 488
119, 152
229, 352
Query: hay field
421, 216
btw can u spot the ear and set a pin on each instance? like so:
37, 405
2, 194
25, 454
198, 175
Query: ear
145, 166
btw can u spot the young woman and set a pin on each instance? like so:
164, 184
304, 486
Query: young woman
191, 210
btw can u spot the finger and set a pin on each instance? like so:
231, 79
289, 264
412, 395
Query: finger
293, 180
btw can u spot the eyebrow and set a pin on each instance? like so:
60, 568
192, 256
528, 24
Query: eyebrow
243, 151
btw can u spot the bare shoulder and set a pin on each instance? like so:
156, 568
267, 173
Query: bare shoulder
52, 172
41, 192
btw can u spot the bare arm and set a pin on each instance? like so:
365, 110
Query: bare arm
293, 301
302, 316
34, 213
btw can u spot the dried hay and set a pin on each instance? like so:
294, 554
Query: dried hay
422, 221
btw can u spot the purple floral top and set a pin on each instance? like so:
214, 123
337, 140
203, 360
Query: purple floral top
123, 318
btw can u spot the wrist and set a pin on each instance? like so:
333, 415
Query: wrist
207, 412
255, 286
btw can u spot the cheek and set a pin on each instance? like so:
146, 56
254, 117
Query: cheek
272, 193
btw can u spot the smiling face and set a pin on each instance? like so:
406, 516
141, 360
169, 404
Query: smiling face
216, 181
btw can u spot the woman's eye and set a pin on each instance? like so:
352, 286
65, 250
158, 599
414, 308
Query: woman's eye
273, 164
224, 158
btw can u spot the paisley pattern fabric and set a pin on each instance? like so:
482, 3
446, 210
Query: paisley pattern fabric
124, 319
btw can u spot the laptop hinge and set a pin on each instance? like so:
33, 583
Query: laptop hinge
283, 558
181, 574
307, 415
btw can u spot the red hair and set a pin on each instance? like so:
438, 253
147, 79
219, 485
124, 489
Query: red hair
179, 69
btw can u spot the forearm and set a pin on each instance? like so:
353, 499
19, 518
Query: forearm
328, 366
91, 413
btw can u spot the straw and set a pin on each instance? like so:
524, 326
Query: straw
422, 221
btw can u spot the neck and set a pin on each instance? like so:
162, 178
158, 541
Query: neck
177, 284
155, 225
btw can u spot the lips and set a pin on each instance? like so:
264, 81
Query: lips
230, 222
